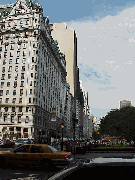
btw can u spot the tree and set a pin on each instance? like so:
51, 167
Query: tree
95, 135
119, 122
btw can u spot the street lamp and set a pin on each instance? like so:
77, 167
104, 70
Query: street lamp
39, 134
62, 127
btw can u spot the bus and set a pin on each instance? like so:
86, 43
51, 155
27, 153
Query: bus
114, 140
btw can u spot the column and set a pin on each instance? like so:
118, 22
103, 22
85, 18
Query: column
7, 132
29, 133
22, 132
33, 135
1, 134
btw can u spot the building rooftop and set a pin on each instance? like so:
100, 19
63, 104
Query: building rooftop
6, 8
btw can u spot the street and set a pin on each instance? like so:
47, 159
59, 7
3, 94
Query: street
12, 173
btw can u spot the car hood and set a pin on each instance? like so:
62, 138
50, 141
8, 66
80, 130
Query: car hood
6, 152
100, 161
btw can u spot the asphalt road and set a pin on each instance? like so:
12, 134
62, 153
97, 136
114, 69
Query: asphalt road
19, 173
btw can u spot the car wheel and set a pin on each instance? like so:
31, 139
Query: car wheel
47, 164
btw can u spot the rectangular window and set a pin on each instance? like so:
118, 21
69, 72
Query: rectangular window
6, 109
21, 91
27, 119
17, 60
3, 77
15, 84
7, 100
14, 92
33, 100
2, 84
5, 118
22, 84
0, 100
35, 67
32, 67
12, 119
14, 99
8, 84
4, 61
24, 46
7, 92
23, 68
3, 69
20, 100
23, 60
18, 53
34, 83
36, 76
11, 54
29, 100
30, 83
31, 75
24, 53
19, 119
20, 109
22, 75
12, 47
16, 76
10, 69
9, 76
19, 46
33, 59
27, 109
13, 109
16, 68
30, 91
5, 54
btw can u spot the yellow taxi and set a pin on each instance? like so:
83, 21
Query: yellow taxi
36, 155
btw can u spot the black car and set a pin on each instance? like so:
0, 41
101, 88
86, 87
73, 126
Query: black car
98, 168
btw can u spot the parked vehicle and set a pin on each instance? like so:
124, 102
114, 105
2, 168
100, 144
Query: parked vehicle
8, 143
1, 143
19, 142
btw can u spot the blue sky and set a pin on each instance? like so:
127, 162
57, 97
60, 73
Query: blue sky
106, 52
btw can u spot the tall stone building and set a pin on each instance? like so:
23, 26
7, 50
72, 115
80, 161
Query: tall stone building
124, 103
67, 42
33, 73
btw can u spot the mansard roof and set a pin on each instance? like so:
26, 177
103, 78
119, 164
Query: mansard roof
6, 8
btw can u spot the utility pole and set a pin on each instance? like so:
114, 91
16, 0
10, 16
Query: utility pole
74, 119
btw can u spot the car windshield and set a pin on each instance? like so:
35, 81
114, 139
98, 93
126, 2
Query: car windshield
52, 149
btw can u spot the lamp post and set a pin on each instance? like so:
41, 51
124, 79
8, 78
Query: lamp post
39, 134
62, 127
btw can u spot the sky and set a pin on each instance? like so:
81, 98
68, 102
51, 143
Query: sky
106, 47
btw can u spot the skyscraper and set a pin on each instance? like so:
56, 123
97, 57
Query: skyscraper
124, 103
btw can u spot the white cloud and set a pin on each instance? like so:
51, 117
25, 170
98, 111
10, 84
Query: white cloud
109, 43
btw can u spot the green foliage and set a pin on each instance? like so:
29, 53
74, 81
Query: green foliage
95, 136
119, 122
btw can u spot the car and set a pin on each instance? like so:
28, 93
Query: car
1, 143
36, 155
100, 167
19, 142
8, 143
